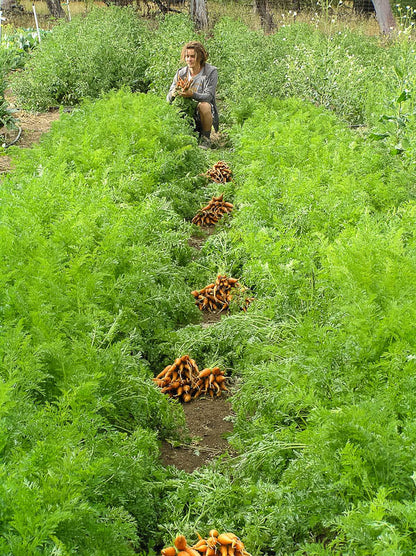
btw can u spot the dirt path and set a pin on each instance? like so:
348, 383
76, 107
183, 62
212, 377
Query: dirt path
208, 420
33, 126
209, 423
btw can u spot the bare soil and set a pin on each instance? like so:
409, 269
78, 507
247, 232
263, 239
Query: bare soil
209, 422
197, 241
33, 125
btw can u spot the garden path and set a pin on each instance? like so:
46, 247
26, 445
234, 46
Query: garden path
33, 125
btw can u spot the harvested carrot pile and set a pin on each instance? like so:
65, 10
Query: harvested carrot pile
211, 381
217, 297
212, 212
179, 380
184, 381
224, 544
220, 172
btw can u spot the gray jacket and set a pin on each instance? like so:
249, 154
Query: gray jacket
206, 84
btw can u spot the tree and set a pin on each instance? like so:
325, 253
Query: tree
199, 13
384, 16
266, 18
55, 8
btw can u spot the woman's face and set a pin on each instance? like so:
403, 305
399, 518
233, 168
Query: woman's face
190, 58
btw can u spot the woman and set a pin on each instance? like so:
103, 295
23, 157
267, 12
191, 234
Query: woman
198, 80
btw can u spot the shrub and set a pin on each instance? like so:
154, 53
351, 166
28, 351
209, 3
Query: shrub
83, 58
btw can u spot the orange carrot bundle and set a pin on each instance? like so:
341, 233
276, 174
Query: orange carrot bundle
216, 544
183, 84
212, 212
220, 172
216, 298
179, 379
212, 382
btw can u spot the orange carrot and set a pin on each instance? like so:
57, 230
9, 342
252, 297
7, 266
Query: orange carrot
200, 542
169, 551
191, 552
223, 550
224, 538
180, 542
213, 533
212, 541
204, 373
165, 370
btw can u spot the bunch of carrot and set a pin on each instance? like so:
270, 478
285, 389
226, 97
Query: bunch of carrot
216, 544
212, 212
220, 172
183, 84
179, 379
184, 381
211, 381
217, 297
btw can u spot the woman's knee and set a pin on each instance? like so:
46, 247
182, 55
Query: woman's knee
204, 108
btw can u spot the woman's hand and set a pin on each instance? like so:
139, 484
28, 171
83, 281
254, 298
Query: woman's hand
186, 94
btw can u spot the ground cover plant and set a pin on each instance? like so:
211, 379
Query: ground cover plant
94, 274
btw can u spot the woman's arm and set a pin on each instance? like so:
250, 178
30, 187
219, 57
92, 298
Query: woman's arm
170, 95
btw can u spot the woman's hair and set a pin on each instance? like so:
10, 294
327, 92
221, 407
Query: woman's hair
200, 52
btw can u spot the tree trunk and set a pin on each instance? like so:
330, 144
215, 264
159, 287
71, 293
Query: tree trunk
384, 16
55, 8
199, 13
266, 18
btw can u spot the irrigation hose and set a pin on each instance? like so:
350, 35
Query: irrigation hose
7, 145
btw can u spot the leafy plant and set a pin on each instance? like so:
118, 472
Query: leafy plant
104, 50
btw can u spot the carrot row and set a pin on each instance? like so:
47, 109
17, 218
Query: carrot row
216, 544
184, 381
212, 212
220, 172
217, 297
